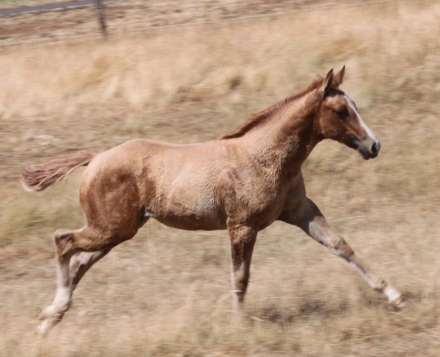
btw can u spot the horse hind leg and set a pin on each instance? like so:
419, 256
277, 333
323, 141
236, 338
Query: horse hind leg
72, 263
64, 250
81, 262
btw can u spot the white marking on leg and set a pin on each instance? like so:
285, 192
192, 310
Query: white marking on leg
62, 298
235, 302
363, 124
391, 293
44, 328
367, 278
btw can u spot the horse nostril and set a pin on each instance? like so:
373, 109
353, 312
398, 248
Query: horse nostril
375, 147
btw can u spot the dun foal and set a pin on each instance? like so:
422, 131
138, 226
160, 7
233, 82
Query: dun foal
242, 182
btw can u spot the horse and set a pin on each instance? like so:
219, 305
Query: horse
243, 182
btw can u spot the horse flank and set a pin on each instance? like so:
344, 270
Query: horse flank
39, 177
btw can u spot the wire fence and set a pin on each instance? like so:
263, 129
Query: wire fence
131, 18
47, 7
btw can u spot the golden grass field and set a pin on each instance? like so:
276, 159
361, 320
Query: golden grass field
167, 292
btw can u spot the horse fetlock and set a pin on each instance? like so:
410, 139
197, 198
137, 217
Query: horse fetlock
399, 303
237, 300
241, 283
381, 286
47, 324
394, 296
54, 311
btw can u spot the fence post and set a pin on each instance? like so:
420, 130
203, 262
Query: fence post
101, 16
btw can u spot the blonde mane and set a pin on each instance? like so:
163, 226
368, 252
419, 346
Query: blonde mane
261, 117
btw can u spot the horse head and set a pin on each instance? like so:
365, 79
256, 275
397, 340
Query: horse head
340, 120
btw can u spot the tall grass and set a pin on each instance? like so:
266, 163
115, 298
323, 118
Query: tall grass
167, 292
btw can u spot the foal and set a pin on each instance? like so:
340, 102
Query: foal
243, 182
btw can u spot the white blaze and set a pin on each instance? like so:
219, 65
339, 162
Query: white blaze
353, 107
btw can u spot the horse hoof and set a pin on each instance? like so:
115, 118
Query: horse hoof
43, 328
40, 331
45, 313
399, 303
47, 324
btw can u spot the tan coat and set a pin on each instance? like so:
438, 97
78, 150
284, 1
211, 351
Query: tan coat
242, 182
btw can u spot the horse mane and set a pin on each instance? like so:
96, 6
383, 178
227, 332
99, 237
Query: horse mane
261, 117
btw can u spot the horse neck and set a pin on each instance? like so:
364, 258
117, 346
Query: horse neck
287, 138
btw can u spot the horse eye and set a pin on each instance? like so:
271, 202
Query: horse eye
341, 113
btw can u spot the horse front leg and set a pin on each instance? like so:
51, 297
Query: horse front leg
310, 219
242, 245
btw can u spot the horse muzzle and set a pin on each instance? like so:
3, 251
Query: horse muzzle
369, 148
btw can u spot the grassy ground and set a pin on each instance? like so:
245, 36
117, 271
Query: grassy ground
135, 16
4, 4
167, 292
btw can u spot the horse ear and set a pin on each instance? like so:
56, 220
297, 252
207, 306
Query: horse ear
339, 77
327, 82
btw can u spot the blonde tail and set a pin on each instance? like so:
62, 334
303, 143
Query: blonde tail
39, 177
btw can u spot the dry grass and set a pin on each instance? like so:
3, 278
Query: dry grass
4, 4
167, 292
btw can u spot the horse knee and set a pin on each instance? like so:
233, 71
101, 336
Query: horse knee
343, 250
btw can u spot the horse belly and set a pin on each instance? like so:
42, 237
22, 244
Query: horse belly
183, 189
189, 219
191, 223
188, 210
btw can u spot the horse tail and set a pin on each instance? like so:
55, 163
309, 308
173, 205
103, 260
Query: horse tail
39, 177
